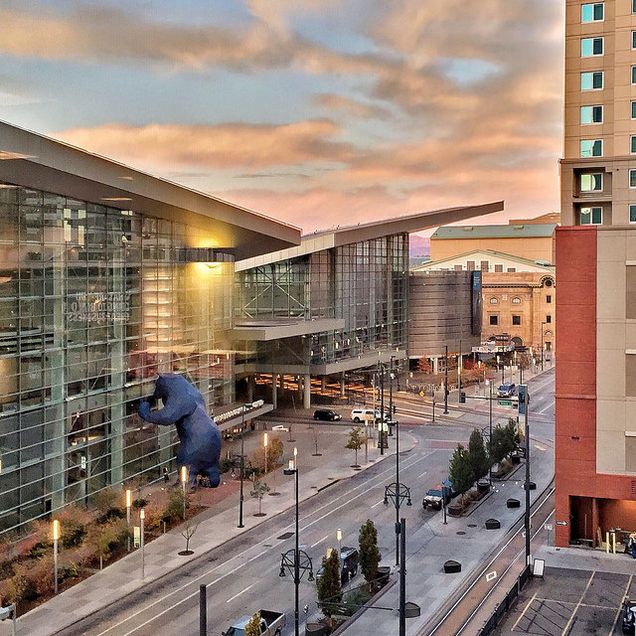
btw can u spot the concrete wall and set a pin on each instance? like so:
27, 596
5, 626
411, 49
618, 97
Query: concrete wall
440, 313
535, 249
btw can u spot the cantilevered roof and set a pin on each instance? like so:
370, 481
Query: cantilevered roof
32, 160
522, 230
264, 330
345, 235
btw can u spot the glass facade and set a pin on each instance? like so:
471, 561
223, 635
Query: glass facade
94, 302
364, 283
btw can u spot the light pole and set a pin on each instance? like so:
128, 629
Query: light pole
524, 398
56, 537
489, 384
184, 481
391, 378
128, 506
142, 519
542, 323
402, 534
248, 405
446, 380
381, 366
459, 374
366, 441
339, 539
265, 450
286, 563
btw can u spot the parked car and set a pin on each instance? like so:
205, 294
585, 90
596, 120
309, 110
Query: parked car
507, 390
349, 563
629, 616
272, 624
361, 415
436, 496
327, 415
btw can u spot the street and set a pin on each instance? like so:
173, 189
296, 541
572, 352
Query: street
242, 575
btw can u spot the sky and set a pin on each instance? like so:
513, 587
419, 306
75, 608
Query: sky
315, 112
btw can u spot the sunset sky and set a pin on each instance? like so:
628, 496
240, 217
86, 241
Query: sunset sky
315, 112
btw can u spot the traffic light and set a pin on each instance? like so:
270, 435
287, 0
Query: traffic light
523, 392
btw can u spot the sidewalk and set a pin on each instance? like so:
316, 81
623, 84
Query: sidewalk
464, 540
217, 525
586, 559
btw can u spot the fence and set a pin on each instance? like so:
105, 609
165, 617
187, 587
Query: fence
506, 604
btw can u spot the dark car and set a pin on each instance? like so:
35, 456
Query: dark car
629, 616
327, 415
349, 562
506, 390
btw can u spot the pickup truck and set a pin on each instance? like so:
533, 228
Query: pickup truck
271, 624
435, 496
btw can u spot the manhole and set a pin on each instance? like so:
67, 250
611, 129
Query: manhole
472, 525
285, 535
460, 532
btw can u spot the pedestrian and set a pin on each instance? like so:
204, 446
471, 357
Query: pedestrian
166, 476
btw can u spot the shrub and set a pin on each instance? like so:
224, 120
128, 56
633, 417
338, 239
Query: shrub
108, 504
369, 552
140, 502
329, 584
74, 522
225, 465
353, 601
20, 588
41, 575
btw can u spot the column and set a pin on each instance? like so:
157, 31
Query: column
323, 383
250, 388
307, 391
342, 384
117, 380
274, 390
436, 364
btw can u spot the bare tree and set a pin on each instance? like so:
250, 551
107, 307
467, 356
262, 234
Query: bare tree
187, 532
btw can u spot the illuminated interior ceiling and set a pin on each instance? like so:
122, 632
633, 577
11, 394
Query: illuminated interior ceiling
31, 160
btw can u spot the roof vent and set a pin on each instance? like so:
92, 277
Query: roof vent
468, 228
518, 227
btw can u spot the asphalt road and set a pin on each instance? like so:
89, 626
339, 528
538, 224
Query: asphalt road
243, 574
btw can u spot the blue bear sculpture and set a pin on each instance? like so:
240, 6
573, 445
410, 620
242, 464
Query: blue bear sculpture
200, 437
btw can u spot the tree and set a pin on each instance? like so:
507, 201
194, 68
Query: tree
253, 627
328, 583
477, 455
460, 471
259, 490
274, 452
369, 553
187, 532
503, 442
355, 442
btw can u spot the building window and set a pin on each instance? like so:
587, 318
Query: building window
484, 266
630, 293
591, 147
592, 81
592, 12
512, 269
633, 6
470, 266
516, 300
591, 47
634, 110
592, 182
632, 178
498, 268
458, 268
494, 301
548, 318
548, 299
633, 39
516, 320
591, 216
493, 320
632, 213
630, 375
592, 114
633, 74
632, 144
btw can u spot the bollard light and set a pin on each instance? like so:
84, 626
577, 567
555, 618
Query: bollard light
56, 530
128, 506
184, 474
265, 440
184, 481
142, 518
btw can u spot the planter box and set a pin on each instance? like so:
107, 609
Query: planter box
316, 629
455, 510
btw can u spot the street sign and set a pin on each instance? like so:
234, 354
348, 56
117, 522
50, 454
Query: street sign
562, 523
504, 402
137, 536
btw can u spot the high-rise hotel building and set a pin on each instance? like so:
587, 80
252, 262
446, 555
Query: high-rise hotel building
596, 269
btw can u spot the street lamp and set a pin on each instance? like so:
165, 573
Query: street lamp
265, 450
142, 519
56, 537
286, 562
128, 506
184, 481
542, 323
397, 493
248, 405
446, 380
339, 539
489, 384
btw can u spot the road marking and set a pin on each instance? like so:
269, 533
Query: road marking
620, 607
421, 474
260, 554
365, 485
569, 623
313, 545
229, 600
375, 505
525, 609
539, 447
491, 576
545, 408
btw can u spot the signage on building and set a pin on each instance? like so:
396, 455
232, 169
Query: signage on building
101, 308
562, 523
492, 348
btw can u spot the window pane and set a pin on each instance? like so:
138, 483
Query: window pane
632, 178
597, 46
591, 147
633, 74
634, 39
591, 114
591, 216
632, 214
633, 143
597, 80
597, 219
633, 110
592, 182
592, 12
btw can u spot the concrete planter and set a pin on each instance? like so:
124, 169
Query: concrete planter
316, 629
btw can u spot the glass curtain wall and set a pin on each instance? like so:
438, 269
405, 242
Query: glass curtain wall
94, 303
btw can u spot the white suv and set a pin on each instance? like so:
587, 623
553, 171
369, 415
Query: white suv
365, 415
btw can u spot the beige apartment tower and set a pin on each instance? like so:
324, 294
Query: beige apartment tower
595, 445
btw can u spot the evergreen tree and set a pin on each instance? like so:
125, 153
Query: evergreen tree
369, 553
460, 471
328, 584
253, 627
477, 455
